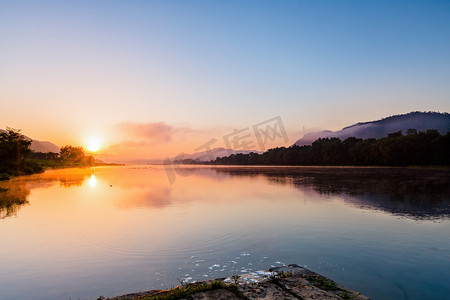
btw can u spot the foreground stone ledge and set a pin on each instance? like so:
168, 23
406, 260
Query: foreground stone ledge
286, 283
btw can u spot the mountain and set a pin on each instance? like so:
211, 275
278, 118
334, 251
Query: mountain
213, 154
44, 146
41, 146
380, 128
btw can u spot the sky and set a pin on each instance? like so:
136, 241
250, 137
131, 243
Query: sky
151, 79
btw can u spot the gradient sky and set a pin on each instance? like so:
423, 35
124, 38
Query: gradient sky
155, 78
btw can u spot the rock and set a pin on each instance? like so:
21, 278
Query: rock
310, 285
286, 283
214, 295
264, 290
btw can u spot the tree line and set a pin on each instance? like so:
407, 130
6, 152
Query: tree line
17, 158
396, 149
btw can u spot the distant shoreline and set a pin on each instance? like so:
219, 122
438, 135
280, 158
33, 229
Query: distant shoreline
303, 166
260, 168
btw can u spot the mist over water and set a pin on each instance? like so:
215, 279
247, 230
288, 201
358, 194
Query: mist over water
82, 233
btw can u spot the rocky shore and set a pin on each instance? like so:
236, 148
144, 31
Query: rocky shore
280, 283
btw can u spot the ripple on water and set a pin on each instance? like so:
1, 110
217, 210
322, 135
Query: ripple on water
132, 249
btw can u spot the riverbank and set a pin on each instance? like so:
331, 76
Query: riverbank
279, 283
40, 166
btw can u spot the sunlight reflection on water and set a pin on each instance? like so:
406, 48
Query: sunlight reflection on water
92, 181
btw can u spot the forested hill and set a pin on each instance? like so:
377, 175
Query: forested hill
380, 128
396, 149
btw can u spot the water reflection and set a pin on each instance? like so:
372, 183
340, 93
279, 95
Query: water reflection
13, 195
154, 197
413, 193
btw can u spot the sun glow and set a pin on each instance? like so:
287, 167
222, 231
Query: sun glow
93, 144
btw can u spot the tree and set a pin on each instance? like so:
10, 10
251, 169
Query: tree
72, 154
89, 160
411, 131
13, 150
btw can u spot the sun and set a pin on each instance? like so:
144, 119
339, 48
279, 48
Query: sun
93, 144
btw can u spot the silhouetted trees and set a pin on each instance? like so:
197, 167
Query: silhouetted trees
44, 156
13, 146
72, 154
14, 149
414, 148
17, 158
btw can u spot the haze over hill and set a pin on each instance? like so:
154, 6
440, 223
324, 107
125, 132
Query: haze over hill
380, 128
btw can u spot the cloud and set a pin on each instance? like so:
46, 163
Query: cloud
135, 141
128, 144
159, 132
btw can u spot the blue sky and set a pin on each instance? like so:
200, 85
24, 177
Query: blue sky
89, 65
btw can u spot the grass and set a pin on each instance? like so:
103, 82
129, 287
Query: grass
4, 176
283, 274
185, 291
57, 164
346, 295
34, 166
235, 278
324, 283
329, 285
279, 275
27, 167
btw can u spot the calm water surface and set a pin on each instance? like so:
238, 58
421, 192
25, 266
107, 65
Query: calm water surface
82, 233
